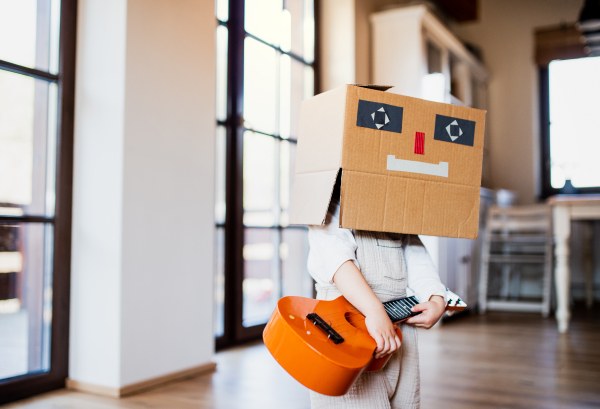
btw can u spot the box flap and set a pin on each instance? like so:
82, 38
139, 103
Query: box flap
372, 86
321, 132
311, 197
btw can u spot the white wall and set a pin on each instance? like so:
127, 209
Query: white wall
505, 33
143, 225
95, 329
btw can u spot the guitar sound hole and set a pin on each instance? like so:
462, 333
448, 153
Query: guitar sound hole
356, 319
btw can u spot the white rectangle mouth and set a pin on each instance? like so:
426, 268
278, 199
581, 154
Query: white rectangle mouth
411, 166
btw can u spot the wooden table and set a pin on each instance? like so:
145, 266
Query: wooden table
565, 209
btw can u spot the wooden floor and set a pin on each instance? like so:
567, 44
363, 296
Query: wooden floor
501, 360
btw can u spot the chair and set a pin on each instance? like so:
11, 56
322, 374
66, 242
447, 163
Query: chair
518, 240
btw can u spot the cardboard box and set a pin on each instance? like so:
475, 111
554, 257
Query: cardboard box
407, 165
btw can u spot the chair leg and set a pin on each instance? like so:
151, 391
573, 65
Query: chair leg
588, 267
505, 290
515, 292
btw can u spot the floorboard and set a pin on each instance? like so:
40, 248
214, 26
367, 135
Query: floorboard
500, 360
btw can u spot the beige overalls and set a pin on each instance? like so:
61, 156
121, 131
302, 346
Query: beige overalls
381, 260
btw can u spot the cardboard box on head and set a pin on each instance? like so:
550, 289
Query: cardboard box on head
407, 165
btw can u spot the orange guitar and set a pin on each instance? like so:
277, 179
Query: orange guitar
325, 345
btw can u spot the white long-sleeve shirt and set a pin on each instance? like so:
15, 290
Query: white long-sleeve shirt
331, 246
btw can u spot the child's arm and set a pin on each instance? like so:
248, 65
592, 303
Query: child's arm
351, 283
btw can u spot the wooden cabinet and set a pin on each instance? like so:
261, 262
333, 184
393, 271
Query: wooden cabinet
417, 54
420, 57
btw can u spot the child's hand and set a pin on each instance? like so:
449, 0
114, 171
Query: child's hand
351, 283
383, 332
432, 312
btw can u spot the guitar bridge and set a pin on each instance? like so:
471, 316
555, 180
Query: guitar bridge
319, 322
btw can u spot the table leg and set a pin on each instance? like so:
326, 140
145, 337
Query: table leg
562, 274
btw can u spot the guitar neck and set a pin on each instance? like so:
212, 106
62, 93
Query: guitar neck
399, 310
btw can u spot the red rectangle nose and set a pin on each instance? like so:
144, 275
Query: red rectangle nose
420, 143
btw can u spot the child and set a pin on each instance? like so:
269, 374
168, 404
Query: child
369, 268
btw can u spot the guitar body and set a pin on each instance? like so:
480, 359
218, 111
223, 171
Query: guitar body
307, 353
325, 345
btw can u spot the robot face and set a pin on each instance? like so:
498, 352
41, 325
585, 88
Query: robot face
408, 165
410, 139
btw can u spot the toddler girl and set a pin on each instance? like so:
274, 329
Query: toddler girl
369, 268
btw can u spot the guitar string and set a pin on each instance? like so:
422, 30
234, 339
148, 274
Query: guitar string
339, 312
351, 322
357, 321
352, 327
356, 309
343, 317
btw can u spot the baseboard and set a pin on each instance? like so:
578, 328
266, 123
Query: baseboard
138, 387
92, 388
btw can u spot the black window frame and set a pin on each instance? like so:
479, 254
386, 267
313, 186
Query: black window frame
234, 332
27, 385
546, 189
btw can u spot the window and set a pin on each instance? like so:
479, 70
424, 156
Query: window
37, 42
265, 68
571, 136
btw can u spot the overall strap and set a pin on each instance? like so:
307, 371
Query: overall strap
382, 263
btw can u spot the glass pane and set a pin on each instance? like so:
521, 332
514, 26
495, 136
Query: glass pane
286, 31
25, 298
309, 31
287, 164
294, 255
222, 10
222, 73
29, 33
261, 168
261, 284
221, 170
574, 132
260, 87
263, 19
219, 302
27, 149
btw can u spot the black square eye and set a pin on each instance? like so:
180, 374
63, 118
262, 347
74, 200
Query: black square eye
380, 117
454, 130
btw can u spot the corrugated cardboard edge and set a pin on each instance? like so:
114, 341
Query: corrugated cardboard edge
372, 86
